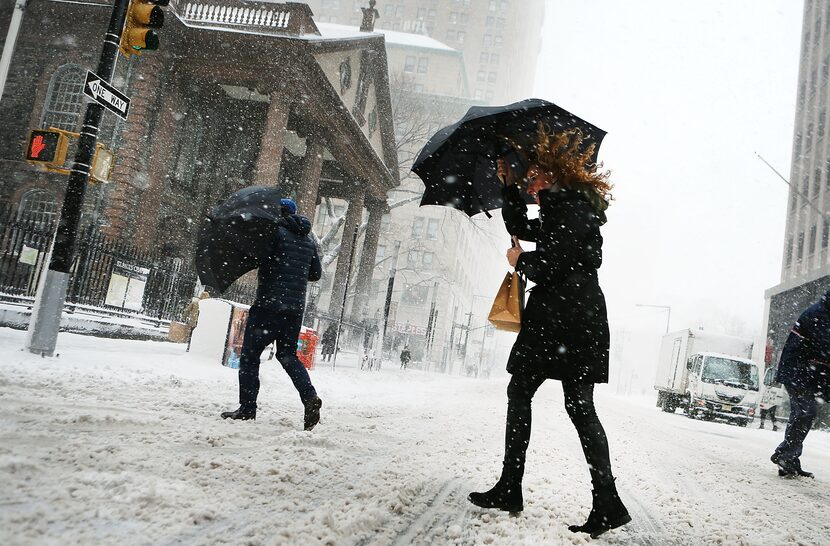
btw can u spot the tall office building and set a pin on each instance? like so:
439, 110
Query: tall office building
500, 39
805, 270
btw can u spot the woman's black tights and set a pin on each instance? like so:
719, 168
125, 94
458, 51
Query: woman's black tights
579, 403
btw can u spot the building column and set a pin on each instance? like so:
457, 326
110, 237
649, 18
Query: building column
273, 138
354, 214
310, 181
368, 256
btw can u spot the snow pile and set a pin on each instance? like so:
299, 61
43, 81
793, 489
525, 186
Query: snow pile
120, 442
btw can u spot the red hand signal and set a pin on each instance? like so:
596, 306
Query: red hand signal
37, 146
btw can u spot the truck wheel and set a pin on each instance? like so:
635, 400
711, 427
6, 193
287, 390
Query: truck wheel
668, 405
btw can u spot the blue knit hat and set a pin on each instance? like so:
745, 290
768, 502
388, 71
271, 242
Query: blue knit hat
289, 205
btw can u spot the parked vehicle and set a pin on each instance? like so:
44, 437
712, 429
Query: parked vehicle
709, 375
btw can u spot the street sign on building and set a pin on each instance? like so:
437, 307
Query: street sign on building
106, 95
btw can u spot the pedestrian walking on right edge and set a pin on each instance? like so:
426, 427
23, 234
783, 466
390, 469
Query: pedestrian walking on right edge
564, 331
804, 370
277, 315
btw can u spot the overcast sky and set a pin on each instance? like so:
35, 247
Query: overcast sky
688, 92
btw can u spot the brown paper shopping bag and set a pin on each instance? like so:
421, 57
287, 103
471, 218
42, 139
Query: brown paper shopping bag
506, 313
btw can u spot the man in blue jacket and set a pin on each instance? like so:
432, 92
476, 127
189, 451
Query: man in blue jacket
277, 315
804, 369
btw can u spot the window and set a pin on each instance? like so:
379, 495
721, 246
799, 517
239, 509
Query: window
423, 65
816, 183
789, 252
380, 254
40, 206
497, 41
464, 19
427, 260
418, 227
409, 64
489, 21
799, 250
389, 10
809, 144
481, 75
413, 259
460, 36
415, 294
484, 58
422, 13
494, 58
813, 85
385, 223
450, 35
63, 99
432, 229
811, 246
491, 77
479, 94
489, 95
825, 233
821, 124
453, 17
493, 5
487, 40
431, 14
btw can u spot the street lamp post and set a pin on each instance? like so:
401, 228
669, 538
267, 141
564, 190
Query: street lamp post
666, 307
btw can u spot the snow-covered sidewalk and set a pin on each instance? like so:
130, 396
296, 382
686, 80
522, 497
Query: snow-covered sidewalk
119, 442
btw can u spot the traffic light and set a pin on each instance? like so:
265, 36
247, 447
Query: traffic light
140, 34
47, 147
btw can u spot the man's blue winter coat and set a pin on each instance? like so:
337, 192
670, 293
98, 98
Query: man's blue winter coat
805, 361
294, 261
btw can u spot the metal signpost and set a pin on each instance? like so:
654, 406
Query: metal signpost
51, 295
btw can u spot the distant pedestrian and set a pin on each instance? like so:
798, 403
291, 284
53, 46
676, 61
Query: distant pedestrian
804, 369
564, 330
769, 413
406, 356
771, 399
327, 343
191, 315
277, 315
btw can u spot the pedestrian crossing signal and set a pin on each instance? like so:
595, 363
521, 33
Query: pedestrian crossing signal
140, 34
47, 147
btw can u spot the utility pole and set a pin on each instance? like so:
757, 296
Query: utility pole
466, 339
11, 39
46, 313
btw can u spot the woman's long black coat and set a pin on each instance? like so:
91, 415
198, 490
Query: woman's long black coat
564, 331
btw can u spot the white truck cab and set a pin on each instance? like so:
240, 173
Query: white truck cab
722, 387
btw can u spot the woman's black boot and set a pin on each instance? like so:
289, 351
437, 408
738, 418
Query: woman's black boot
505, 495
608, 512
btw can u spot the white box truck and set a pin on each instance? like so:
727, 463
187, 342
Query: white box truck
709, 375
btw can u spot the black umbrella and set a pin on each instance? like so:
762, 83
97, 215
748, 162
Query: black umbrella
236, 235
458, 164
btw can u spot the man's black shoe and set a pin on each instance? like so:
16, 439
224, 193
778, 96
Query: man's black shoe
240, 415
312, 413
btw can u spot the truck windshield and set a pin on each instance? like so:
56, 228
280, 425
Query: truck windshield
732, 373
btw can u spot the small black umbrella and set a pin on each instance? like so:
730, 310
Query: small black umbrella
458, 163
236, 235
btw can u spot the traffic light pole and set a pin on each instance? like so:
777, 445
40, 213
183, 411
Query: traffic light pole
48, 307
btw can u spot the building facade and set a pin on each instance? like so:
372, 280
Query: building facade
805, 271
240, 93
500, 39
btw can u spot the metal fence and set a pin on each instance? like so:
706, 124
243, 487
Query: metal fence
110, 276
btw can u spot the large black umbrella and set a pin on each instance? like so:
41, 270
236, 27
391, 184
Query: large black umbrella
458, 163
236, 235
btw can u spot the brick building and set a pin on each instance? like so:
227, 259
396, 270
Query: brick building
239, 93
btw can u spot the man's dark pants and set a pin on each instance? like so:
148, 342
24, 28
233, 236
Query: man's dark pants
803, 409
263, 328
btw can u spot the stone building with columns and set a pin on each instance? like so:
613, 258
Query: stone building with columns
240, 93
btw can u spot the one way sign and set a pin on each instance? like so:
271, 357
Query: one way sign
106, 95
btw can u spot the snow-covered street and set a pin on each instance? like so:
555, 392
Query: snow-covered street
119, 442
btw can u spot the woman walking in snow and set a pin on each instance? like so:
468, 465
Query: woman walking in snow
564, 332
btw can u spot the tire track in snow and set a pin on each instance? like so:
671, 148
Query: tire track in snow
644, 526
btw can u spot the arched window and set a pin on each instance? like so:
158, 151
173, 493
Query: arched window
63, 100
38, 205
